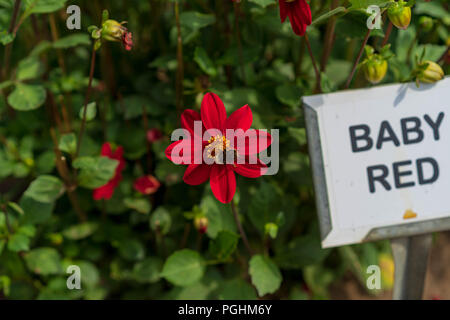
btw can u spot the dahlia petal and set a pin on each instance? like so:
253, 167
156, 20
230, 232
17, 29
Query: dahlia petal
242, 118
196, 174
188, 119
252, 142
104, 192
213, 112
106, 150
185, 151
223, 182
283, 10
251, 170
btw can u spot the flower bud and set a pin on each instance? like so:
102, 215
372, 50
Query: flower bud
387, 270
271, 229
375, 69
426, 23
400, 14
375, 65
430, 72
201, 224
115, 31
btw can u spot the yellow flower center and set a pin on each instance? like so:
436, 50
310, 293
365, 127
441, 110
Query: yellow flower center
217, 149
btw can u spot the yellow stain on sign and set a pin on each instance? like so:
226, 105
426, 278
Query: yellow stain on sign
409, 214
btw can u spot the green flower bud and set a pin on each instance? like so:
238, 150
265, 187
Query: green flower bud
429, 72
374, 66
201, 224
399, 14
426, 23
271, 229
112, 30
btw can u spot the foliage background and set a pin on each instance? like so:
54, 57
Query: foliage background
137, 247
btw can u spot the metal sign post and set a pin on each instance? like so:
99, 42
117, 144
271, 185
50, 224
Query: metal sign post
381, 170
411, 259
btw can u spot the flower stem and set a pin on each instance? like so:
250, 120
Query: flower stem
61, 167
358, 58
329, 38
237, 14
313, 60
241, 230
446, 52
387, 34
8, 48
180, 68
86, 100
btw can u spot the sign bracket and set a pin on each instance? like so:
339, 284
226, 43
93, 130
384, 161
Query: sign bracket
411, 258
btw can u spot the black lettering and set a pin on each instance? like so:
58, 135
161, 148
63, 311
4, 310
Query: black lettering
434, 164
397, 174
386, 127
365, 136
380, 178
410, 129
435, 125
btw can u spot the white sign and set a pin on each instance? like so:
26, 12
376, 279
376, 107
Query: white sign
381, 159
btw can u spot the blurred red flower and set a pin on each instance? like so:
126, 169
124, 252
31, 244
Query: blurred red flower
106, 191
221, 174
154, 135
146, 184
299, 14
127, 40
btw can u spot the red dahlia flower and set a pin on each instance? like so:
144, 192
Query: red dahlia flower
146, 184
298, 12
106, 191
243, 149
154, 135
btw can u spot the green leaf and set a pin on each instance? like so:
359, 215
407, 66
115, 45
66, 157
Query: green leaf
219, 216
44, 6
223, 246
29, 68
148, 270
26, 97
328, 15
73, 40
141, 205
204, 62
131, 249
19, 242
161, 220
265, 275
6, 84
6, 38
90, 275
196, 20
95, 171
301, 252
44, 261
264, 3
289, 94
45, 189
35, 212
237, 289
80, 231
68, 143
364, 4
184, 268
91, 111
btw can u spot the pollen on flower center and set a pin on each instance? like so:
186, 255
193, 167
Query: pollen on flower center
217, 149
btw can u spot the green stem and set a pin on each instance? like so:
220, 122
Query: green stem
180, 69
313, 60
241, 230
86, 100
358, 58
